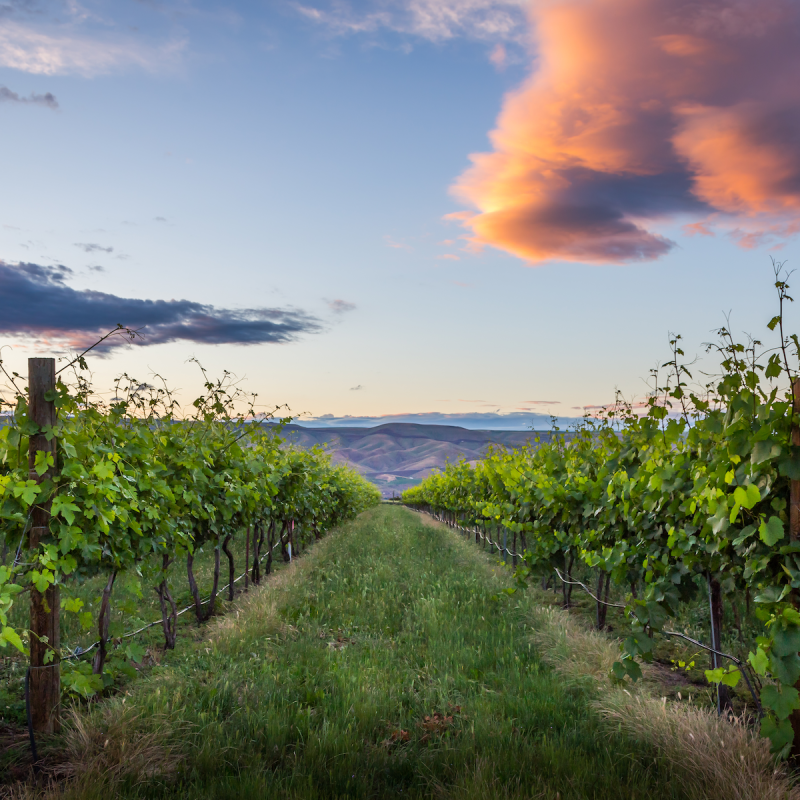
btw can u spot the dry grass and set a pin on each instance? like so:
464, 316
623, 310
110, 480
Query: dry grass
577, 652
715, 759
111, 745
114, 745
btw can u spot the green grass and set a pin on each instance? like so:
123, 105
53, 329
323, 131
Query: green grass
134, 603
305, 690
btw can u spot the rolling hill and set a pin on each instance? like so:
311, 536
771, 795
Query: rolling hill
399, 454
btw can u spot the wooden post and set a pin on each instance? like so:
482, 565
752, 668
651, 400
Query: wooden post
45, 639
247, 559
794, 486
794, 533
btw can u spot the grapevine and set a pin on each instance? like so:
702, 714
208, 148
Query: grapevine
696, 489
135, 482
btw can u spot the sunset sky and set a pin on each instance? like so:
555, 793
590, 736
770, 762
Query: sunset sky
457, 211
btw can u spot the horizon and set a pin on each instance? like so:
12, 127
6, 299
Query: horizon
472, 209
465, 422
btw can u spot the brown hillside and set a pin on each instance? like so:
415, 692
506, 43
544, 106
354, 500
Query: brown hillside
399, 455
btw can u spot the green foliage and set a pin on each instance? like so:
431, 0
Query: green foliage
135, 479
696, 487
391, 622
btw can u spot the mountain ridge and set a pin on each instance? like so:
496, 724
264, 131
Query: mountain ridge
397, 455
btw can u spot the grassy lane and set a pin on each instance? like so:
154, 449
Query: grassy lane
384, 663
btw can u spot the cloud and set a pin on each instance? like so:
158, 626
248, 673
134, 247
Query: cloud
35, 301
499, 56
47, 99
638, 113
341, 306
68, 50
396, 245
356, 388
697, 229
448, 257
433, 20
160, 219
91, 247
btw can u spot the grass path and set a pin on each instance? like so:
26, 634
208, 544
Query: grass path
386, 662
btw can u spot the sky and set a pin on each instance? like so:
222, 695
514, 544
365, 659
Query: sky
474, 212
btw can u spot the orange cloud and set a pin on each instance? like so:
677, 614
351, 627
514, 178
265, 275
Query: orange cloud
697, 229
639, 112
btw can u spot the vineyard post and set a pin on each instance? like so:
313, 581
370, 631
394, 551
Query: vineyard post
247, 559
505, 542
794, 486
45, 678
794, 530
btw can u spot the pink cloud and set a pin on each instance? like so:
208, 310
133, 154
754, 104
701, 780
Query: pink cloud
638, 112
499, 56
697, 229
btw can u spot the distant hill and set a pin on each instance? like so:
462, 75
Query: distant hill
400, 454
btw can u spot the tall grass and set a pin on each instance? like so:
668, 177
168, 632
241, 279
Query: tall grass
386, 662
710, 757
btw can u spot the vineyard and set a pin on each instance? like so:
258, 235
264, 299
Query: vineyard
393, 656
95, 492
391, 661
693, 499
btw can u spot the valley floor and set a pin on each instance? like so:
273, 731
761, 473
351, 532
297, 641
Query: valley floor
385, 662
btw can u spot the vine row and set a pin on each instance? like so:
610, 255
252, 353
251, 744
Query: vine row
699, 488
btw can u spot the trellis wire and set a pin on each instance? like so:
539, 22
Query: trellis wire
79, 651
742, 666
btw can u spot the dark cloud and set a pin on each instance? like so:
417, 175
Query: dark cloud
91, 247
12, 7
48, 99
341, 306
356, 388
35, 300
160, 219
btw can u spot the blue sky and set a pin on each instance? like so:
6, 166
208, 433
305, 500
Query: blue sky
285, 168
